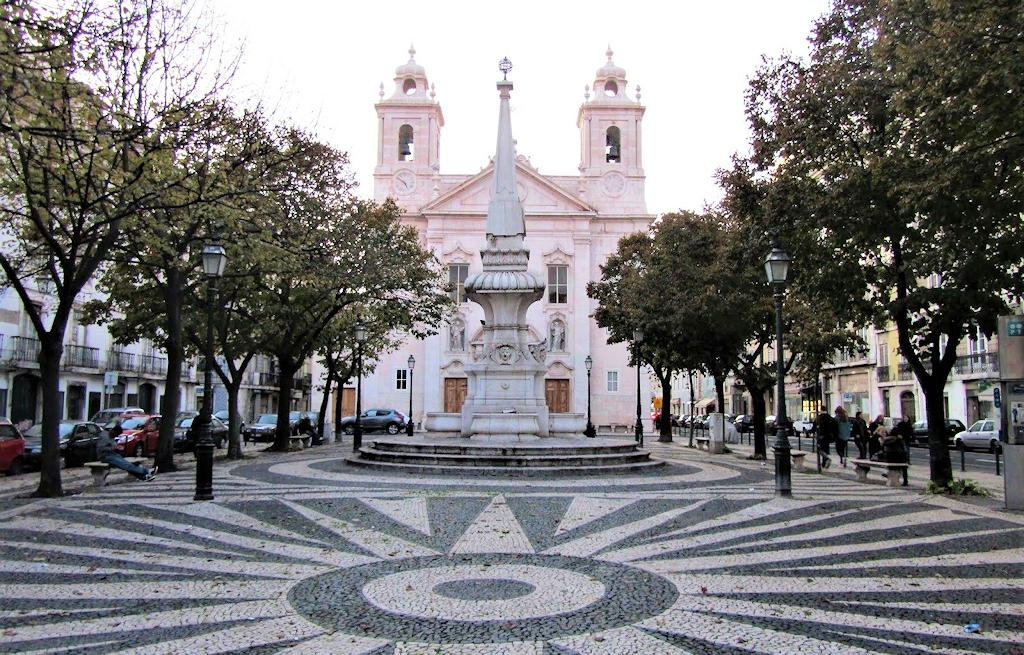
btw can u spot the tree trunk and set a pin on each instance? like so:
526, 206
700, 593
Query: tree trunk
720, 393
337, 408
321, 416
938, 449
234, 420
286, 372
665, 424
50, 351
693, 407
757, 401
172, 381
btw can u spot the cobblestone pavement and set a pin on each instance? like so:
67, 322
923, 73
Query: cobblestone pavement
299, 554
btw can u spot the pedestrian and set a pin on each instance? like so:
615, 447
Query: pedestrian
844, 432
106, 451
904, 430
875, 441
860, 435
895, 452
825, 428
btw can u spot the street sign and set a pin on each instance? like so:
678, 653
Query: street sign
995, 397
1015, 327
110, 379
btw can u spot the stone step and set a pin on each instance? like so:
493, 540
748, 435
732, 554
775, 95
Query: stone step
557, 471
520, 460
503, 450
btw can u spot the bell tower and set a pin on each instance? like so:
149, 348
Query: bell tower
408, 137
609, 121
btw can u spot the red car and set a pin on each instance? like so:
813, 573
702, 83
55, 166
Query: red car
139, 434
12, 448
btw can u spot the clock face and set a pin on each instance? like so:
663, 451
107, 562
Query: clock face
405, 182
614, 184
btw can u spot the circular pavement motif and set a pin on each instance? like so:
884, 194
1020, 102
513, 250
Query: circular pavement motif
483, 589
569, 595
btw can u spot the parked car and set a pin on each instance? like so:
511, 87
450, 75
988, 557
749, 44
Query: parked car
12, 448
185, 437
77, 442
262, 429
769, 424
149, 435
131, 441
803, 424
953, 427
982, 435
105, 416
224, 417
700, 421
744, 423
389, 420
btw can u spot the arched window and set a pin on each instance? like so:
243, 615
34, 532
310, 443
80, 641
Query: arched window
613, 145
409, 87
405, 145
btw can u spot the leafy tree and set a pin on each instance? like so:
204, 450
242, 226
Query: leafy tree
904, 128
87, 90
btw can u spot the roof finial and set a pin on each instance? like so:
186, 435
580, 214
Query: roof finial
586, 92
505, 66
381, 92
412, 54
638, 93
608, 53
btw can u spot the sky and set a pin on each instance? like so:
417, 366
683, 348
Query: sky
319, 64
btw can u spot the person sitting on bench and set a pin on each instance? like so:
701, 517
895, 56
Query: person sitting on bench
106, 452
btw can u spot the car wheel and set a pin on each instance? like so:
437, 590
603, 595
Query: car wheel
16, 467
392, 428
347, 429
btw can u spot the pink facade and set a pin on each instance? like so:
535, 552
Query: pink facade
573, 223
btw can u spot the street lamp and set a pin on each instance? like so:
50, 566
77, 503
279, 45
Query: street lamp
776, 265
357, 432
638, 336
214, 261
589, 432
408, 423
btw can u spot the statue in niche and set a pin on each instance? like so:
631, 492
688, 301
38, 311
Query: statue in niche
557, 336
457, 335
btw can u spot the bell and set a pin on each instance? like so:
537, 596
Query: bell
613, 153
404, 150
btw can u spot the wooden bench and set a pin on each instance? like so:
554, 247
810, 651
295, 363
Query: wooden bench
100, 470
703, 443
864, 466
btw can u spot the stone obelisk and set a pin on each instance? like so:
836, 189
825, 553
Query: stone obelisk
505, 397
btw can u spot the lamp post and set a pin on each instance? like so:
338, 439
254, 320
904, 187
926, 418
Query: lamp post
776, 265
408, 423
357, 432
638, 336
214, 261
589, 432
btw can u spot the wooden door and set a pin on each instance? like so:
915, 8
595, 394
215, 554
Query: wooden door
348, 402
557, 394
455, 394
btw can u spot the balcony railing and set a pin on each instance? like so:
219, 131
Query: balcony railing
121, 360
986, 363
24, 349
883, 374
80, 357
906, 372
153, 365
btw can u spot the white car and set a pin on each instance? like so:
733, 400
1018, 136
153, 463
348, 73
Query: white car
983, 435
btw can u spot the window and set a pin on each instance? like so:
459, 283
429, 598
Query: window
613, 381
401, 379
883, 354
457, 274
558, 284
405, 144
977, 343
613, 145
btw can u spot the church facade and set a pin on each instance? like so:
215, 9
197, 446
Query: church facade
573, 223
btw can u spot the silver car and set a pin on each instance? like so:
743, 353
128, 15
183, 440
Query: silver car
982, 435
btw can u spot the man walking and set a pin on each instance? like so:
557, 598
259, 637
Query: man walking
106, 451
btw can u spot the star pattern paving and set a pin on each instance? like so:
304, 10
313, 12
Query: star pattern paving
300, 554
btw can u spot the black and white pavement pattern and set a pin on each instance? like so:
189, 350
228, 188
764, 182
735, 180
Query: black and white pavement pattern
300, 554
